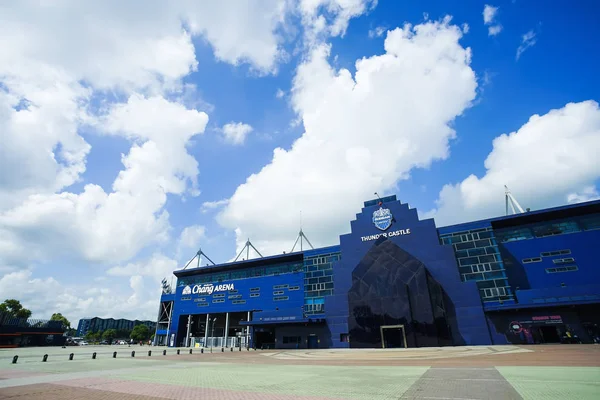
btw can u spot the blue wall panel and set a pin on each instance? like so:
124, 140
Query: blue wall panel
422, 242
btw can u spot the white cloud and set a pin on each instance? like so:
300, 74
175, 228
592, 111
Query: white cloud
543, 163
191, 236
158, 266
377, 32
527, 40
489, 18
236, 132
101, 226
588, 193
489, 14
363, 133
279, 94
330, 17
45, 296
212, 205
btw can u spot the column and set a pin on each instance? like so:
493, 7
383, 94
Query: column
226, 327
206, 331
248, 331
187, 333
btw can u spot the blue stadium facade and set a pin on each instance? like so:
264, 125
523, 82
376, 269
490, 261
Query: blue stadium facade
397, 281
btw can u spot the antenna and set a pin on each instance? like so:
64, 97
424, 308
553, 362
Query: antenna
198, 257
380, 201
510, 200
247, 247
302, 237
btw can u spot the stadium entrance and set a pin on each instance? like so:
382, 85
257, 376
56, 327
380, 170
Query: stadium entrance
393, 336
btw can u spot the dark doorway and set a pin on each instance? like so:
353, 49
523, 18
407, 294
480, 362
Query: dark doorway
313, 342
265, 338
549, 334
393, 337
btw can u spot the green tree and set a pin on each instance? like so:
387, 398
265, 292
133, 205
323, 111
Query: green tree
14, 309
90, 336
109, 335
140, 332
60, 317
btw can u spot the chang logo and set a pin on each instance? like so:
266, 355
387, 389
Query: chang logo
210, 288
187, 290
382, 218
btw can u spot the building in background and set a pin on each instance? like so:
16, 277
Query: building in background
97, 324
398, 281
21, 332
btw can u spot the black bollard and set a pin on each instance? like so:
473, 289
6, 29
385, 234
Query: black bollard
222, 350
115, 354
133, 353
71, 357
201, 350
190, 351
240, 348
15, 358
164, 352
178, 351
93, 355
45, 358
149, 353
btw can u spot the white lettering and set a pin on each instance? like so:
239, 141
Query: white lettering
210, 288
400, 232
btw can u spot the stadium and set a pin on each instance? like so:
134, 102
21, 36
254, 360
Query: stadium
530, 277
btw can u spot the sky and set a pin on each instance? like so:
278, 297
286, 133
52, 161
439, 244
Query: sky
134, 133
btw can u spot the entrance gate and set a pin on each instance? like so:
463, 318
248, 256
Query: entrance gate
393, 336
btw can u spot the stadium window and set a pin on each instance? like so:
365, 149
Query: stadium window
281, 298
254, 294
255, 289
563, 260
531, 260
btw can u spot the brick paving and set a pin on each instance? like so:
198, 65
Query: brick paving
474, 372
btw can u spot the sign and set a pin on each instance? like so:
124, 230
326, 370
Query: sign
400, 232
208, 288
382, 218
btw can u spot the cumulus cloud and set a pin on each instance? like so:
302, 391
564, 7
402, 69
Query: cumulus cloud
363, 133
588, 193
489, 19
158, 266
323, 18
527, 40
45, 296
235, 132
551, 159
213, 205
100, 226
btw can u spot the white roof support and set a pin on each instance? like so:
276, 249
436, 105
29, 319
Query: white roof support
512, 202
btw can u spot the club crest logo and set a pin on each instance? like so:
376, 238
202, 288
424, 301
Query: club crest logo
382, 218
187, 290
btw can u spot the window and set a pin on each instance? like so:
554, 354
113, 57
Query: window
218, 301
281, 298
235, 296
239, 302
254, 294
567, 268
555, 253
202, 304
217, 296
186, 298
563, 260
280, 287
278, 292
494, 292
531, 260
294, 288
255, 289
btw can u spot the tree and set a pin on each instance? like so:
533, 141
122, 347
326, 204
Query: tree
14, 309
60, 317
140, 332
109, 335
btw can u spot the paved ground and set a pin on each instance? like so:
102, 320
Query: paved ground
455, 373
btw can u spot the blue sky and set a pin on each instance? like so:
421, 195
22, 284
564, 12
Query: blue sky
225, 66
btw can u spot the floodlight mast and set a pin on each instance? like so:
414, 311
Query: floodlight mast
512, 202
